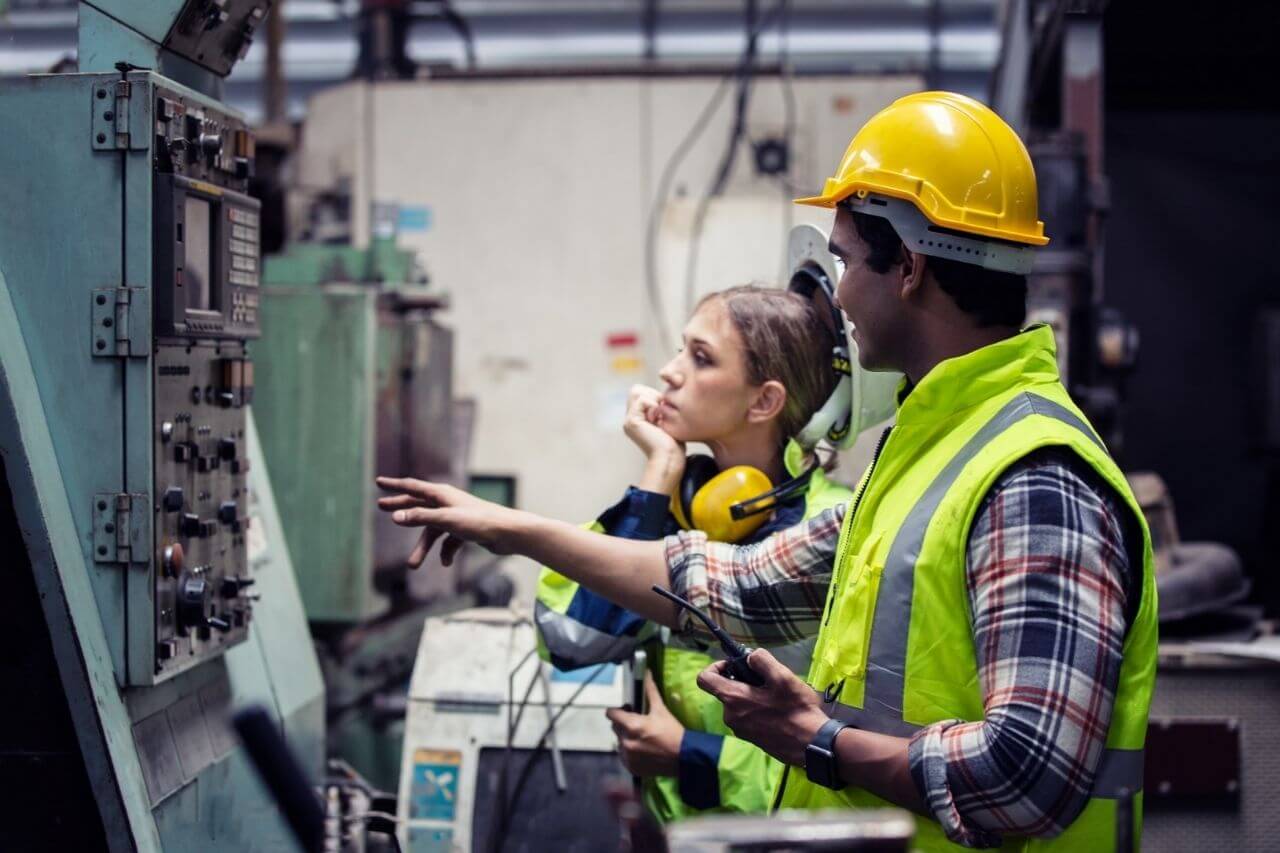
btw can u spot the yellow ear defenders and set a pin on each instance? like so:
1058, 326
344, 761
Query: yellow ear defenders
729, 505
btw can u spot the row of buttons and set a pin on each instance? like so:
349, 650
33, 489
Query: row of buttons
244, 279
244, 315
242, 217
249, 263
247, 299
243, 232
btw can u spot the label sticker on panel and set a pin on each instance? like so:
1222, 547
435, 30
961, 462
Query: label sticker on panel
434, 791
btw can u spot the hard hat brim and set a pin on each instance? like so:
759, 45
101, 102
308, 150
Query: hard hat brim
818, 201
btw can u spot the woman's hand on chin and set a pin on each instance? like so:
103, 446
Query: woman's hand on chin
443, 510
643, 424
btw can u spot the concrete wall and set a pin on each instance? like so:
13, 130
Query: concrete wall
538, 193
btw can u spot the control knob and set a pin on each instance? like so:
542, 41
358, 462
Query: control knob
193, 603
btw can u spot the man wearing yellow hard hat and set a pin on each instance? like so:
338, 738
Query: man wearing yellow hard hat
984, 608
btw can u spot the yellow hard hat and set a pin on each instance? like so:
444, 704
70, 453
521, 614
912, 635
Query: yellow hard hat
953, 158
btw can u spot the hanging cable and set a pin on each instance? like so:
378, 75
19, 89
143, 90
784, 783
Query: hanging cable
656, 303
745, 71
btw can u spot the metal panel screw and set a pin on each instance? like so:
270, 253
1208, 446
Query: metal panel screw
101, 300
102, 93
102, 550
108, 322
109, 116
110, 528
102, 137
101, 345
102, 505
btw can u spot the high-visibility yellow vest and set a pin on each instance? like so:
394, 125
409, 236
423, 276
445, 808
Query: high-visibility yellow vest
746, 773
895, 651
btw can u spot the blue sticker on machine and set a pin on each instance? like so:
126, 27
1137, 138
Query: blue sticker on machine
414, 219
603, 674
430, 840
434, 794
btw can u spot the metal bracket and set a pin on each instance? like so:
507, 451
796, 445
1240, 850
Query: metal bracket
121, 528
111, 105
121, 322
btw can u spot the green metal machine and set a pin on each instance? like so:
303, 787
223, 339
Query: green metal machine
355, 379
152, 591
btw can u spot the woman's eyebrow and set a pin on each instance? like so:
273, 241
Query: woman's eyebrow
705, 343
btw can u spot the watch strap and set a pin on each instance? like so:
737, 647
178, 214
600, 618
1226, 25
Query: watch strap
820, 756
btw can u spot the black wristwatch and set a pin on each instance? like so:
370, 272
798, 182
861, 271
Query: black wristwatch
820, 756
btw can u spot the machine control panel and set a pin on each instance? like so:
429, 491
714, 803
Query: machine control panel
203, 590
207, 257
216, 33
206, 300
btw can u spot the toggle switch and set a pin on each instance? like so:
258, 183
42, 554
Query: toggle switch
231, 586
184, 452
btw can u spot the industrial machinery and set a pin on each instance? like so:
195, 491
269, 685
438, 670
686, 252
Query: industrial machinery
129, 301
500, 745
356, 371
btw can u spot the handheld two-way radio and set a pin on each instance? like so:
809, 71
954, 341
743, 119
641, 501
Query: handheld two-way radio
735, 653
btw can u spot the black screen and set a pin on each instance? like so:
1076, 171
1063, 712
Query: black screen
197, 273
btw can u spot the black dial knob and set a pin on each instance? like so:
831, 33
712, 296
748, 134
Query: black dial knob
227, 448
189, 524
173, 499
193, 603
227, 512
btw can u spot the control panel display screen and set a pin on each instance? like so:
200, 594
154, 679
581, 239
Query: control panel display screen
197, 273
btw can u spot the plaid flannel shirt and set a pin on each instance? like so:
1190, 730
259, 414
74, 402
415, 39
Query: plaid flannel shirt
1050, 593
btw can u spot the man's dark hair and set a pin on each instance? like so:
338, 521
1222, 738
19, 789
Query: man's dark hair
994, 298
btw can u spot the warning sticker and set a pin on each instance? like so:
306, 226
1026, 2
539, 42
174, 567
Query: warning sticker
434, 792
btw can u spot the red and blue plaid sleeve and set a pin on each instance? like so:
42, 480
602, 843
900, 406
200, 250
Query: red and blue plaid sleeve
768, 594
1048, 574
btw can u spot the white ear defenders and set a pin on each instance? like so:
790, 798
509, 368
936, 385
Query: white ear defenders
862, 398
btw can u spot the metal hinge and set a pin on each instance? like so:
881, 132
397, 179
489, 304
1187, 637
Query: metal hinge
121, 322
112, 105
121, 528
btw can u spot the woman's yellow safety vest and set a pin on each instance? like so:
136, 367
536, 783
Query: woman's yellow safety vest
746, 774
895, 650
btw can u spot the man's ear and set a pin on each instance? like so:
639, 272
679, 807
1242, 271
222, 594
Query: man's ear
912, 271
769, 400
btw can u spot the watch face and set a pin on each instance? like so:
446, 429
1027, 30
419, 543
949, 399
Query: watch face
819, 766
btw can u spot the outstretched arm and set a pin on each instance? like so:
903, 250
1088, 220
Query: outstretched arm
623, 571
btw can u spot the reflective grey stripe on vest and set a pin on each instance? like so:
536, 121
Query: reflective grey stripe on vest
1118, 770
887, 655
570, 640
